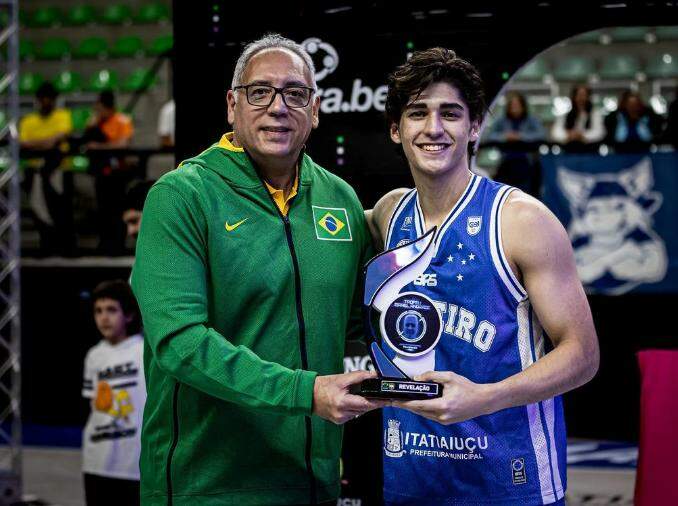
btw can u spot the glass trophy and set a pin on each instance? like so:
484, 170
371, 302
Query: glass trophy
408, 322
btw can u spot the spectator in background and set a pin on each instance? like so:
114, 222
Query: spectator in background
633, 126
582, 126
166, 125
517, 125
115, 386
109, 129
44, 134
518, 132
134, 205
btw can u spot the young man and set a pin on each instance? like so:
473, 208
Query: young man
502, 271
114, 383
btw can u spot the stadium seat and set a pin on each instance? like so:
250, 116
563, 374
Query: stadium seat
80, 15
4, 18
619, 67
152, 13
663, 66
488, 158
116, 14
79, 164
29, 83
140, 79
79, 117
45, 17
588, 37
127, 47
67, 81
26, 50
533, 71
543, 111
161, 45
23, 18
91, 47
54, 49
574, 69
104, 79
628, 34
666, 32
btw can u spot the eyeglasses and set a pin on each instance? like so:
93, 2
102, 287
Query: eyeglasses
262, 95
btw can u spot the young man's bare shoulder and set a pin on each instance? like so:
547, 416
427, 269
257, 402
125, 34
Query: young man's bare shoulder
384, 207
529, 227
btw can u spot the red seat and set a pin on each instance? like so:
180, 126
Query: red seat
656, 483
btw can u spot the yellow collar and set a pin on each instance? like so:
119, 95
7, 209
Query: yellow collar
226, 142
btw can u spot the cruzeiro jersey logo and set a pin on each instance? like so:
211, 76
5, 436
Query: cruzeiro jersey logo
331, 224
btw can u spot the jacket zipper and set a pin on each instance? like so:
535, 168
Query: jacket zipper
300, 320
175, 440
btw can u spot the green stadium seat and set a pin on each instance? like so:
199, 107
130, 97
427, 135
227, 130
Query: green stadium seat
45, 17
91, 47
666, 32
533, 71
79, 164
104, 79
587, 37
140, 79
575, 68
663, 66
543, 111
628, 34
619, 67
127, 47
4, 18
29, 83
488, 158
161, 45
67, 81
152, 14
24, 17
26, 50
79, 117
80, 15
116, 14
54, 49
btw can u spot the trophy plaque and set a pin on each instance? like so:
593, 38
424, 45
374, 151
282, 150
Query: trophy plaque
408, 322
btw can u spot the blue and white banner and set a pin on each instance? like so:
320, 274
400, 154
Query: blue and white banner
621, 213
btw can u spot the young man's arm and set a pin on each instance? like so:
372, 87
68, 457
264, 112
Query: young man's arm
539, 249
378, 217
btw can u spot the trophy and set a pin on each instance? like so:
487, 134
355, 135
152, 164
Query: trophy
409, 323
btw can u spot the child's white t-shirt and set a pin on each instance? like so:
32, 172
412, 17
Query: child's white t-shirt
114, 381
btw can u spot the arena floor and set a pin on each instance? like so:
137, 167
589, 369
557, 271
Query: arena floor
599, 475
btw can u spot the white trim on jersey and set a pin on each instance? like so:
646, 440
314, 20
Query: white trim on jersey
394, 215
499, 260
466, 197
531, 348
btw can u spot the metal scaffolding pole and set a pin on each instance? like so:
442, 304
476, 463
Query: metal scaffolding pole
10, 296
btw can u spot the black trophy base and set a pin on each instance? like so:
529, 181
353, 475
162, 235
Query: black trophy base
396, 388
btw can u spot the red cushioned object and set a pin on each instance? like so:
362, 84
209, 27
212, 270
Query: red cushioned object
656, 482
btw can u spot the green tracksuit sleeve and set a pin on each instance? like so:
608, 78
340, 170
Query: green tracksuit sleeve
169, 280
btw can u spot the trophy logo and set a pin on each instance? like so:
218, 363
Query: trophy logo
409, 323
394, 439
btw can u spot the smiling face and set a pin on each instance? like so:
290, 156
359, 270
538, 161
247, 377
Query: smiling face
435, 129
276, 133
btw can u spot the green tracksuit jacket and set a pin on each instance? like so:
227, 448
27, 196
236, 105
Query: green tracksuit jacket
238, 321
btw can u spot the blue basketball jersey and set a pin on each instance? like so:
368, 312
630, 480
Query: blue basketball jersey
490, 332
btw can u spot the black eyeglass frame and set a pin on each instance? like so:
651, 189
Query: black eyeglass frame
276, 91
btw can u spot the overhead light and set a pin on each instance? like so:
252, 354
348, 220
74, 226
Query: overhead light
338, 9
613, 6
435, 12
479, 15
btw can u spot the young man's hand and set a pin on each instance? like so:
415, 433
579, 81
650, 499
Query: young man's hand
461, 400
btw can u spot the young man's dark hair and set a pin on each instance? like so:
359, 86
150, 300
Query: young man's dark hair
121, 292
46, 90
430, 66
107, 99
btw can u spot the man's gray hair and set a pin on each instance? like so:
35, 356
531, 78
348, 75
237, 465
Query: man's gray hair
271, 41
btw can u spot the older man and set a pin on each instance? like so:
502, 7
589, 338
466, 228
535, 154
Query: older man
246, 268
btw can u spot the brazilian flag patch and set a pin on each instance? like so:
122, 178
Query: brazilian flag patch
331, 224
